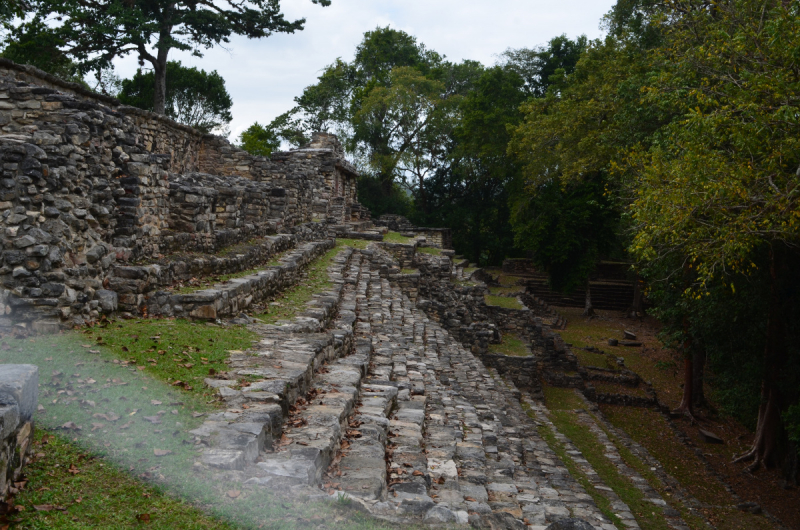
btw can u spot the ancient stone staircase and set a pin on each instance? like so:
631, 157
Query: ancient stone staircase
365, 396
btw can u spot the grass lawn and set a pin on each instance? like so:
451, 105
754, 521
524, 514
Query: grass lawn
512, 345
503, 301
499, 291
171, 350
84, 491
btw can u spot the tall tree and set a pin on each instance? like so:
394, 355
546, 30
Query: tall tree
193, 97
721, 187
97, 31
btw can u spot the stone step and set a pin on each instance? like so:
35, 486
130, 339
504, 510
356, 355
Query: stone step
231, 297
460, 448
281, 370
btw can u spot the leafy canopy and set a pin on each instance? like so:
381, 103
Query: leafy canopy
723, 179
193, 97
259, 140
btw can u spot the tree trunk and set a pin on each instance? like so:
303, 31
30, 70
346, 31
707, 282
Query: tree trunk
588, 308
636, 310
160, 90
698, 373
769, 412
687, 403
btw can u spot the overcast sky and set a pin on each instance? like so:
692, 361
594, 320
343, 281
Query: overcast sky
264, 75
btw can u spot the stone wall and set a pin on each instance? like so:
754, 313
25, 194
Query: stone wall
19, 394
90, 186
434, 237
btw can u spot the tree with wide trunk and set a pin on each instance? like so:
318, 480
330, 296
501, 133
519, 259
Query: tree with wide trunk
97, 31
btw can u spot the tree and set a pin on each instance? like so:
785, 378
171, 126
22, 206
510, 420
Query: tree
97, 31
541, 67
193, 97
719, 187
259, 140
36, 44
418, 118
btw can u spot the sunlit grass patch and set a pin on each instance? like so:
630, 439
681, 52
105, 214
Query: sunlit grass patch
512, 345
499, 291
503, 301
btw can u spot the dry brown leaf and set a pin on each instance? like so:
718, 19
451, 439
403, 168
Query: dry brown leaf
162, 452
233, 493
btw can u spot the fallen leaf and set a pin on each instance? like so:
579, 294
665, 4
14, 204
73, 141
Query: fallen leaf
155, 420
162, 452
125, 348
96, 426
125, 426
70, 426
47, 507
143, 517
74, 470
155, 402
418, 473
233, 493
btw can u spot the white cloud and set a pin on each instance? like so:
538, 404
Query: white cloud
264, 75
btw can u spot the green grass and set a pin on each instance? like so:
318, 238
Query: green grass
170, 350
566, 421
469, 271
394, 237
503, 301
122, 415
409, 271
430, 250
100, 495
512, 345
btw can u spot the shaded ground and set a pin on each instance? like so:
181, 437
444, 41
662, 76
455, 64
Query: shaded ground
703, 477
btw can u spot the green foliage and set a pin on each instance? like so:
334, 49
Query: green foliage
373, 195
97, 31
259, 140
721, 180
34, 43
569, 227
546, 65
194, 97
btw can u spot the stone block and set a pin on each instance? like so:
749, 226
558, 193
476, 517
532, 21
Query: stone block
21, 381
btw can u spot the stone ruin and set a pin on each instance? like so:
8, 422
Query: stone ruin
386, 380
90, 187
